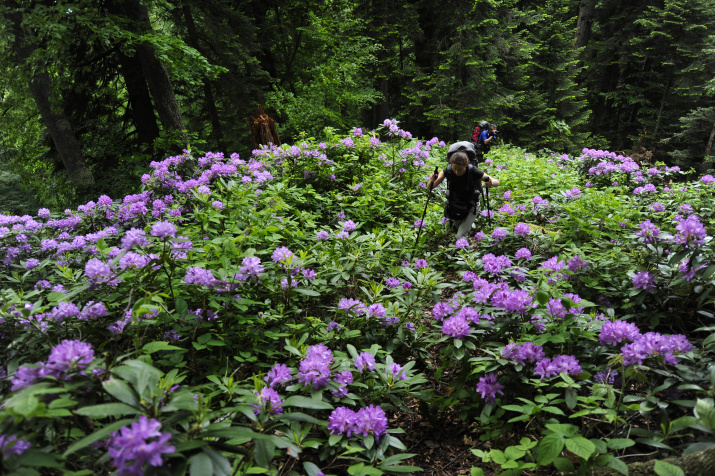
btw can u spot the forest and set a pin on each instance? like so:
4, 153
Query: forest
177, 299
92, 91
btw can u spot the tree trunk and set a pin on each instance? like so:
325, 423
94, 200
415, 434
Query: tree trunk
208, 90
142, 109
711, 141
583, 24
57, 123
157, 77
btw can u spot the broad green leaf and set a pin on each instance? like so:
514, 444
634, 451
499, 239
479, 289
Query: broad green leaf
107, 410
581, 447
200, 465
550, 448
305, 402
663, 468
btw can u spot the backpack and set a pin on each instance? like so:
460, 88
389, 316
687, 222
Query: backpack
475, 133
466, 147
483, 126
456, 209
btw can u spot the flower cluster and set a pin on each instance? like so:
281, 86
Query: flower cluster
66, 359
488, 387
314, 369
370, 420
140, 443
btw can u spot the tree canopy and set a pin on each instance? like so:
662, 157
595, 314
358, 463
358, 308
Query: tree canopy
92, 91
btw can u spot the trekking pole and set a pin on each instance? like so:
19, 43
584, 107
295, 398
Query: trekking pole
429, 192
489, 210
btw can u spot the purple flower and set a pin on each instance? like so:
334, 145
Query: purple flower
349, 226
605, 377
395, 372
376, 310
523, 253
70, 355
251, 266
499, 234
200, 277
419, 224
354, 305
282, 256
517, 301
315, 368
131, 447
649, 232
343, 379
322, 235
269, 401
392, 282
10, 445
277, 375
653, 344
365, 360
97, 270
456, 326
370, 420
342, 421
521, 353
488, 387
462, 243
163, 229
657, 207
421, 263
495, 264
334, 326
547, 368
32, 263
522, 229
616, 332
644, 280
691, 233
444, 309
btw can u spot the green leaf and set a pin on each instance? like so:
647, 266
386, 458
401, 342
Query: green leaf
305, 402
156, 346
581, 447
618, 465
542, 297
107, 410
663, 468
549, 449
307, 292
200, 465
121, 390
619, 443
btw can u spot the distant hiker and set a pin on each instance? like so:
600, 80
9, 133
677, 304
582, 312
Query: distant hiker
464, 188
486, 138
482, 126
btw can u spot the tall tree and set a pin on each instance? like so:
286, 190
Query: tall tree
40, 86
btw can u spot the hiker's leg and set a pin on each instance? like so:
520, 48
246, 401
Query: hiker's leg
465, 225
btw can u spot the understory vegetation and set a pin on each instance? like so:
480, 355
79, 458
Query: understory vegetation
277, 314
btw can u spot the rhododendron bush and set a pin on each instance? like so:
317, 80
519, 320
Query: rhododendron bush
274, 314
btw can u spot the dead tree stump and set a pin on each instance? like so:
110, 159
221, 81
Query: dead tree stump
263, 129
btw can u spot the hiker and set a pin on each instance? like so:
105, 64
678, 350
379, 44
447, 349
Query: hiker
464, 187
486, 138
482, 126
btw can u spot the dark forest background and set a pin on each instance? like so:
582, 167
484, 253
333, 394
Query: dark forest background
92, 91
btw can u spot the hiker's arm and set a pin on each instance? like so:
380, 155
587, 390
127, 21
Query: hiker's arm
490, 181
435, 180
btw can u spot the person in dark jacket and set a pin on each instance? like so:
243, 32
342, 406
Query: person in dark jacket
464, 183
